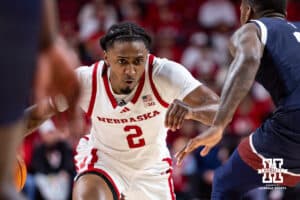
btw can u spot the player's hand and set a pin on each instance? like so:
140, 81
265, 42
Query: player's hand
55, 76
176, 114
208, 139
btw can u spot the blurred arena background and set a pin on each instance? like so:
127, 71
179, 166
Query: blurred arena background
192, 32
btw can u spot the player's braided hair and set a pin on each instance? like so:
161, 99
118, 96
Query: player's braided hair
125, 31
269, 5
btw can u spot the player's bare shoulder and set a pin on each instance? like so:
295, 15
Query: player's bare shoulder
242, 31
245, 32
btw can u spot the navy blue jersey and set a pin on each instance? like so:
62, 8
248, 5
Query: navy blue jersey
279, 73
20, 22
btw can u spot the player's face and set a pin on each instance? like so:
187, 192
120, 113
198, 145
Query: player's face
127, 61
245, 12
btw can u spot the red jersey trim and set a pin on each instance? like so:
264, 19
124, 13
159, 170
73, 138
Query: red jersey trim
156, 94
170, 182
139, 89
110, 95
91, 168
104, 173
107, 89
94, 90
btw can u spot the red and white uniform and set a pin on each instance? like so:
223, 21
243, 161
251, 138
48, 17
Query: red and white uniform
127, 143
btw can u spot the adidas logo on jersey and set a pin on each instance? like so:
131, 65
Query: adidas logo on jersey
122, 102
125, 109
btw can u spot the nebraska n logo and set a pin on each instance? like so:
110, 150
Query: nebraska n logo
272, 171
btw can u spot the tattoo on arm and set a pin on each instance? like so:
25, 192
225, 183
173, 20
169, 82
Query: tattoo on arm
243, 69
205, 114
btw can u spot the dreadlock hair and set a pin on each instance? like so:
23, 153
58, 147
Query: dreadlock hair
125, 32
269, 6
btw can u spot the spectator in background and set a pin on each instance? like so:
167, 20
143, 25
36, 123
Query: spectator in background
131, 10
192, 54
165, 44
219, 25
216, 13
187, 13
161, 15
220, 41
199, 58
96, 16
52, 164
89, 48
94, 19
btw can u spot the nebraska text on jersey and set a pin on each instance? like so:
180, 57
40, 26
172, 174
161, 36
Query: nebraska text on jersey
138, 118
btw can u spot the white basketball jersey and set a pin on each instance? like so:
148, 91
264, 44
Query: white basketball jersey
134, 133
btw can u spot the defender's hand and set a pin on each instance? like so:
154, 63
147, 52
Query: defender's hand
176, 114
55, 75
208, 139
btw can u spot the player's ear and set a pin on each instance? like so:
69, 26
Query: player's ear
248, 13
105, 58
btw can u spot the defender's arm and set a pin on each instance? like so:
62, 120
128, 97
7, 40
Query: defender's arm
247, 50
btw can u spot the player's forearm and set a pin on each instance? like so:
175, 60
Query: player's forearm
236, 87
35, 119
49, 27
205, 114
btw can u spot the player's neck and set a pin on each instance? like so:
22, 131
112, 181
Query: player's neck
269, 13
110, 83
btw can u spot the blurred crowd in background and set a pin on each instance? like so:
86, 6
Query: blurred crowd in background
194, 33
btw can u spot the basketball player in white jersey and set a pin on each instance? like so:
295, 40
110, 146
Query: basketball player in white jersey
133, 98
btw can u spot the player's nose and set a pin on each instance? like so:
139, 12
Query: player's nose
130, 69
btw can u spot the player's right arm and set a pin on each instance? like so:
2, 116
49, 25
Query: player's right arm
57, 104
54, 75
34, 118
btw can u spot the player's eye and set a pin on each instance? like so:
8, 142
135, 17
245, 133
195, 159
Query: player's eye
122, 61
138, 61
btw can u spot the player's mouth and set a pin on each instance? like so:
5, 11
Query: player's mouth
129, 82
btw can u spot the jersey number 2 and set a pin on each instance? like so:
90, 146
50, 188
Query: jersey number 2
134, 139
297, 35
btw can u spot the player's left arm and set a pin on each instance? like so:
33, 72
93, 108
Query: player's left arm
201, 105
193, 100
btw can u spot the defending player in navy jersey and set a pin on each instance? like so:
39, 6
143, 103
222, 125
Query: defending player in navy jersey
266, 49
28, 37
